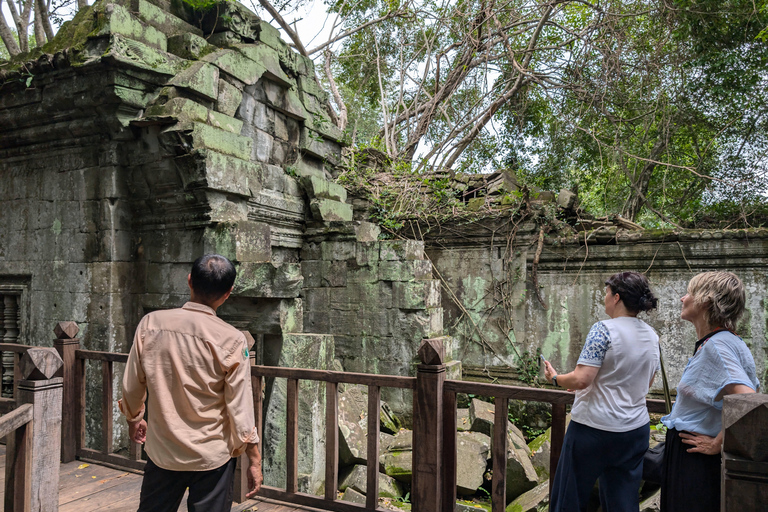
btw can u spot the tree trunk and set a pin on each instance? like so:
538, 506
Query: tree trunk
45, 20
7, 36
38, 24
640, 185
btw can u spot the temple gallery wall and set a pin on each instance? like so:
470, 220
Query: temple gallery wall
147, 134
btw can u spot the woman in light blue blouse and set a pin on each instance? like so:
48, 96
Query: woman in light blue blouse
721, 365
609, 429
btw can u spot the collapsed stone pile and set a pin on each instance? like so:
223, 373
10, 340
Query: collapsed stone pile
527, 471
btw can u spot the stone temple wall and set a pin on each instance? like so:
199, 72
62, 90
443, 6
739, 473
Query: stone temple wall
147, 134
570, 278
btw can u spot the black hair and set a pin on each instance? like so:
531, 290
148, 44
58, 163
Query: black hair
212, 276
634, 290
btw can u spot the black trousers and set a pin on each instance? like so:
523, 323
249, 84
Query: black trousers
209, 491
614, 459
691, 480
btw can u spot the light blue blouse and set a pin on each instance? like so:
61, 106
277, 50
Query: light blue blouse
724, 359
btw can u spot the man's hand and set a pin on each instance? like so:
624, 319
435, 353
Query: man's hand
137, 431
703, 444
255, 477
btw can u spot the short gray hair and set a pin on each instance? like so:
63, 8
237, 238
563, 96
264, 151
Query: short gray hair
721, 295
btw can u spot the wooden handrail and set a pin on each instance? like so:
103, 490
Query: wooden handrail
14, 347
96, 355
365, 379
15, 419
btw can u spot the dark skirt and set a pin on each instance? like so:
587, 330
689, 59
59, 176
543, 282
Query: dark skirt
691, 480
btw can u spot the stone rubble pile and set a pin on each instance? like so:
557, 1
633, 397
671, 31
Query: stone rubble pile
526, 483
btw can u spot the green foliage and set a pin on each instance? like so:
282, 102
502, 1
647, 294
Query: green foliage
528, 367
202, 5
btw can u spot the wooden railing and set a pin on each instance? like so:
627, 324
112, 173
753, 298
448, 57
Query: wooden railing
434, 430
7, 404
332, 379
18, 471
105, 455
32, 432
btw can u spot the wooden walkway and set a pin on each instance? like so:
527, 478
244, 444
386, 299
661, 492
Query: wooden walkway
86, 487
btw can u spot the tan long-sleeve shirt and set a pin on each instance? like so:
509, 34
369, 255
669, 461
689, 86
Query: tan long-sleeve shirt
193, 367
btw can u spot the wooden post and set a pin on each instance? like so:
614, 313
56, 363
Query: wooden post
65, 344
557, 435
426, 490
744, 482
43, 391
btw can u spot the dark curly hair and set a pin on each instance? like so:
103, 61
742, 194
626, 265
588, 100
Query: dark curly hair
634, 290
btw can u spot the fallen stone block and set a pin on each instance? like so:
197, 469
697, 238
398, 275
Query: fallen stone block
353, 496
398, 458
473, 451
462, 420
357, 479
531, 501
540, 451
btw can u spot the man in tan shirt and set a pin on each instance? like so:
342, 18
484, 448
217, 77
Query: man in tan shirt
194, 369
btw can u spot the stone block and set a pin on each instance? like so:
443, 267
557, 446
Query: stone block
540, 450
208, 137
316, 299
317, 321
745, 422
453, 372
284, 100
268, 280
357, 479
323, 189
316, 145
521, 475
262, 146
308, 166
366, 232
328, 210
237, 65
230, 174
311, 251
120, 21
189, 46
418, 270
294, 350
183, 109
337, 250
268, 58
398, 457
222, 208
353, 496
270, 36
229, 98
245, 241
531, 501
411, 326
473, 449
162, 20
401, 250
462, 420
567, 199
366, 254
230, 17
416, 294
224, 122
650, 504
481, 416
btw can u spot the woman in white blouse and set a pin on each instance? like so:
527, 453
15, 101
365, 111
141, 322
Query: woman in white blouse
609, 428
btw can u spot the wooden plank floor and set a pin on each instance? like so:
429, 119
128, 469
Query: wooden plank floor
85, 487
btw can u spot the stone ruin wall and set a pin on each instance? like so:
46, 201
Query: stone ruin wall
570, 276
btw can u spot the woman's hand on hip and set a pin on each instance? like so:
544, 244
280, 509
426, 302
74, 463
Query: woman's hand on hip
703, 444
